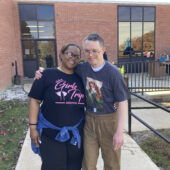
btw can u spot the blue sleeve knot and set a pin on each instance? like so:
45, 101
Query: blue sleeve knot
63, 134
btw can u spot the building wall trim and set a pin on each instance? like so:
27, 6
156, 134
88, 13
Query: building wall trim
162, 2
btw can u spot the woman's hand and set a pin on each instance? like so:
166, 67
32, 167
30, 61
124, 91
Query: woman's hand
38, 74
35, 137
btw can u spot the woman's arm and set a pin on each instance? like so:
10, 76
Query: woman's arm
33, 118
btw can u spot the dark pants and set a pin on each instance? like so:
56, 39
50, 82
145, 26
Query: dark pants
61, 156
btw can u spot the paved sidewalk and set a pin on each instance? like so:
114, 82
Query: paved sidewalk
133, 158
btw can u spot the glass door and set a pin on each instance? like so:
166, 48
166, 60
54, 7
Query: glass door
29, 58
38, 53
46, 54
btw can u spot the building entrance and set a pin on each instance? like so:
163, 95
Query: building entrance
38, 53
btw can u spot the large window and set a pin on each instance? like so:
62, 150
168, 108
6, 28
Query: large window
37, 21
136, 27
37, 24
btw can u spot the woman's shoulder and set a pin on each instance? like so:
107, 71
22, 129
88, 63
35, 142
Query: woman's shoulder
47, 71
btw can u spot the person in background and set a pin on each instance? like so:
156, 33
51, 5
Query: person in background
56, 128
105, 56
49, 61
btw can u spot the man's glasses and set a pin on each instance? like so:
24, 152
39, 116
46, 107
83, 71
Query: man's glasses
94, 52
71, 54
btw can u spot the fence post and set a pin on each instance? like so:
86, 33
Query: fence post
129, 116
143, 76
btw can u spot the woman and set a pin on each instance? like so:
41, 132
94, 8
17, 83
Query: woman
56, 128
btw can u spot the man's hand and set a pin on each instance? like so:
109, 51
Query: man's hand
118, 140
35, 137
38, 74
122, 111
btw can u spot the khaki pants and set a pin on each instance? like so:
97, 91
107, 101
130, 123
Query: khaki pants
98, 133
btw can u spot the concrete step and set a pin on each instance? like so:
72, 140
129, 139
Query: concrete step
26, 80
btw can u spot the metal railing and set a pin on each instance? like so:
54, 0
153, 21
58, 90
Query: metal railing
147, 75
130, 115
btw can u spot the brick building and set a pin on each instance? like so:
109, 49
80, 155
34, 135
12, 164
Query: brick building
32, 32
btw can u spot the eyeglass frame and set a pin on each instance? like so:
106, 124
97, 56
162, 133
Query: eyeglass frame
71, 54
94, 52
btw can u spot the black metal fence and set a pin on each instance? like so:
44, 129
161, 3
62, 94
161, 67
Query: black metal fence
145, 76
130, 115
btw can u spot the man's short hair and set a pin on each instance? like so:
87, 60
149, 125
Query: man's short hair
95, 37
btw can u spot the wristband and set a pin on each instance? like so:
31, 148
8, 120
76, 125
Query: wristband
33, 124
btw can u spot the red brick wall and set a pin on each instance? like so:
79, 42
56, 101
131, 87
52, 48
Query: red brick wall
162, 30
8, 47
17, 38
74, 21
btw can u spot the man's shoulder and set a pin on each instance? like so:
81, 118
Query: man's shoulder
111, 67
83, 65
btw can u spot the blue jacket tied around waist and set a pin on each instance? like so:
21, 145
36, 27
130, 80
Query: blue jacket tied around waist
63, 134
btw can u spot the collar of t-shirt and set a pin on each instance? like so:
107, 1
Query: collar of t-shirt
98, 68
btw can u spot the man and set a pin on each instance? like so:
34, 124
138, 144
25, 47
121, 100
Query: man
104, 123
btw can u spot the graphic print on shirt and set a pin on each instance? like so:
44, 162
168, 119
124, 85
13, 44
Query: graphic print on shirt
68, 93
94, 95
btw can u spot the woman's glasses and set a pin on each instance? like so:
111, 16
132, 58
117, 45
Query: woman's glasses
71, 54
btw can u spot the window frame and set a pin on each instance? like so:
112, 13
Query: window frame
37, 20
130, 21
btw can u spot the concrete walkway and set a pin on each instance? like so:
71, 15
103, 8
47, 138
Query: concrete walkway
133, 158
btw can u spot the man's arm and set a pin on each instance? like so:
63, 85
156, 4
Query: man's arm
38, 73
118, 138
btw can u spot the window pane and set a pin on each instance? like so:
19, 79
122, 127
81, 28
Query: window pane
136, 13
148, 36
149, 14
45, 12
28, 49
46, 29
46, 54
136, 35
29, 29
124, 14
124, 35
27, 12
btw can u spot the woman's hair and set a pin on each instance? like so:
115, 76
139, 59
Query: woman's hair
66, 46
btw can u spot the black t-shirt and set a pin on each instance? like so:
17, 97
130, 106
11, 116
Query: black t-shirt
103, 87
63, 98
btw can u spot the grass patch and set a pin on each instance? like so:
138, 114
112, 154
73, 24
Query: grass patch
13, 126
156, 148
